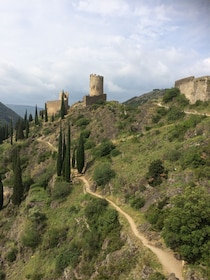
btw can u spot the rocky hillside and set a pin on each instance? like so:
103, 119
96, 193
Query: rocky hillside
153, 160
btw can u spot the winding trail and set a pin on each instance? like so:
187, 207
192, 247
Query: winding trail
166, 258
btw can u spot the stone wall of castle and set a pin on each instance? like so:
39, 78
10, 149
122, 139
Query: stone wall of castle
53, 107
90, 100
195, 88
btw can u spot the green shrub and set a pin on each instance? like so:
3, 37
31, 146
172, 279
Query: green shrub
192, 157
82, 122
54, 237
68, 256
103, 174
175, 114
104, 148
156, 173
85, 134
31, 237
89, 144
137, 202
44, 156
12, 254
61, 190
187, 226
173, 155
115, 152
170, 94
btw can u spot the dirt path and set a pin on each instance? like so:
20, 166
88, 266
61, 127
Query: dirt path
169, 262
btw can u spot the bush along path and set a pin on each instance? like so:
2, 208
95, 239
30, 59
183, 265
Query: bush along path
170, 264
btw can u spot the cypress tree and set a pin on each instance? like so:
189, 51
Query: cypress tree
26, 116
64, 156
18, 185
73, 160
80, 157
1, 194
68, 156
19, 129
63, 108
36, 116
52, 118
60, 156
30, 118
45, 113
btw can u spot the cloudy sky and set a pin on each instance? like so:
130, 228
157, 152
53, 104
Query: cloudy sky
137, 45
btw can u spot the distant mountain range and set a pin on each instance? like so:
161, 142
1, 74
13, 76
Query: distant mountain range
21, 109
6, 114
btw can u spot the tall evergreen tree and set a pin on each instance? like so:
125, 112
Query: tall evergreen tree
36, 119
26, 116
1, 194
19, 129
60, 155
63, 107
64, 156
80, 157
45, 113
18, 185
73, 160
52, 118
68, 156
30, 118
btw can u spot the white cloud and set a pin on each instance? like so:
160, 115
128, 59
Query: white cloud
136, 45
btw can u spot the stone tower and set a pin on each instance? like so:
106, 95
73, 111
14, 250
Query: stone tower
96, 85
96, 92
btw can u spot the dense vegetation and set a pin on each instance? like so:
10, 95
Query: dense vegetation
153, 159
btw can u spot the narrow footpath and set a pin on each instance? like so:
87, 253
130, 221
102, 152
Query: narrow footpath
166, 258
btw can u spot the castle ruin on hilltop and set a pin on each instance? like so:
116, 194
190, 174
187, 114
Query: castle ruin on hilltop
96, 92
195, 88
54, 107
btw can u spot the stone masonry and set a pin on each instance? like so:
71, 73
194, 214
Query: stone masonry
195, 88
53, 107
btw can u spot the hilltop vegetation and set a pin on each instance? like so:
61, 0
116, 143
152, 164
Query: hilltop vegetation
152, 159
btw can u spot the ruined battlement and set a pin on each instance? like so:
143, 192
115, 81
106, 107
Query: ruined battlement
53, 107
195, 88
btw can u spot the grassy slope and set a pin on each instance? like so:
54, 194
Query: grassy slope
139, 140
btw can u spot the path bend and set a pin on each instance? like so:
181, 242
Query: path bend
166, 258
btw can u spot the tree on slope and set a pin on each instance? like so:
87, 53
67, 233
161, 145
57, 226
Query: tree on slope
45, 113
36, 116
187, 226
60, 154
80, 156
1, 194
68, 156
